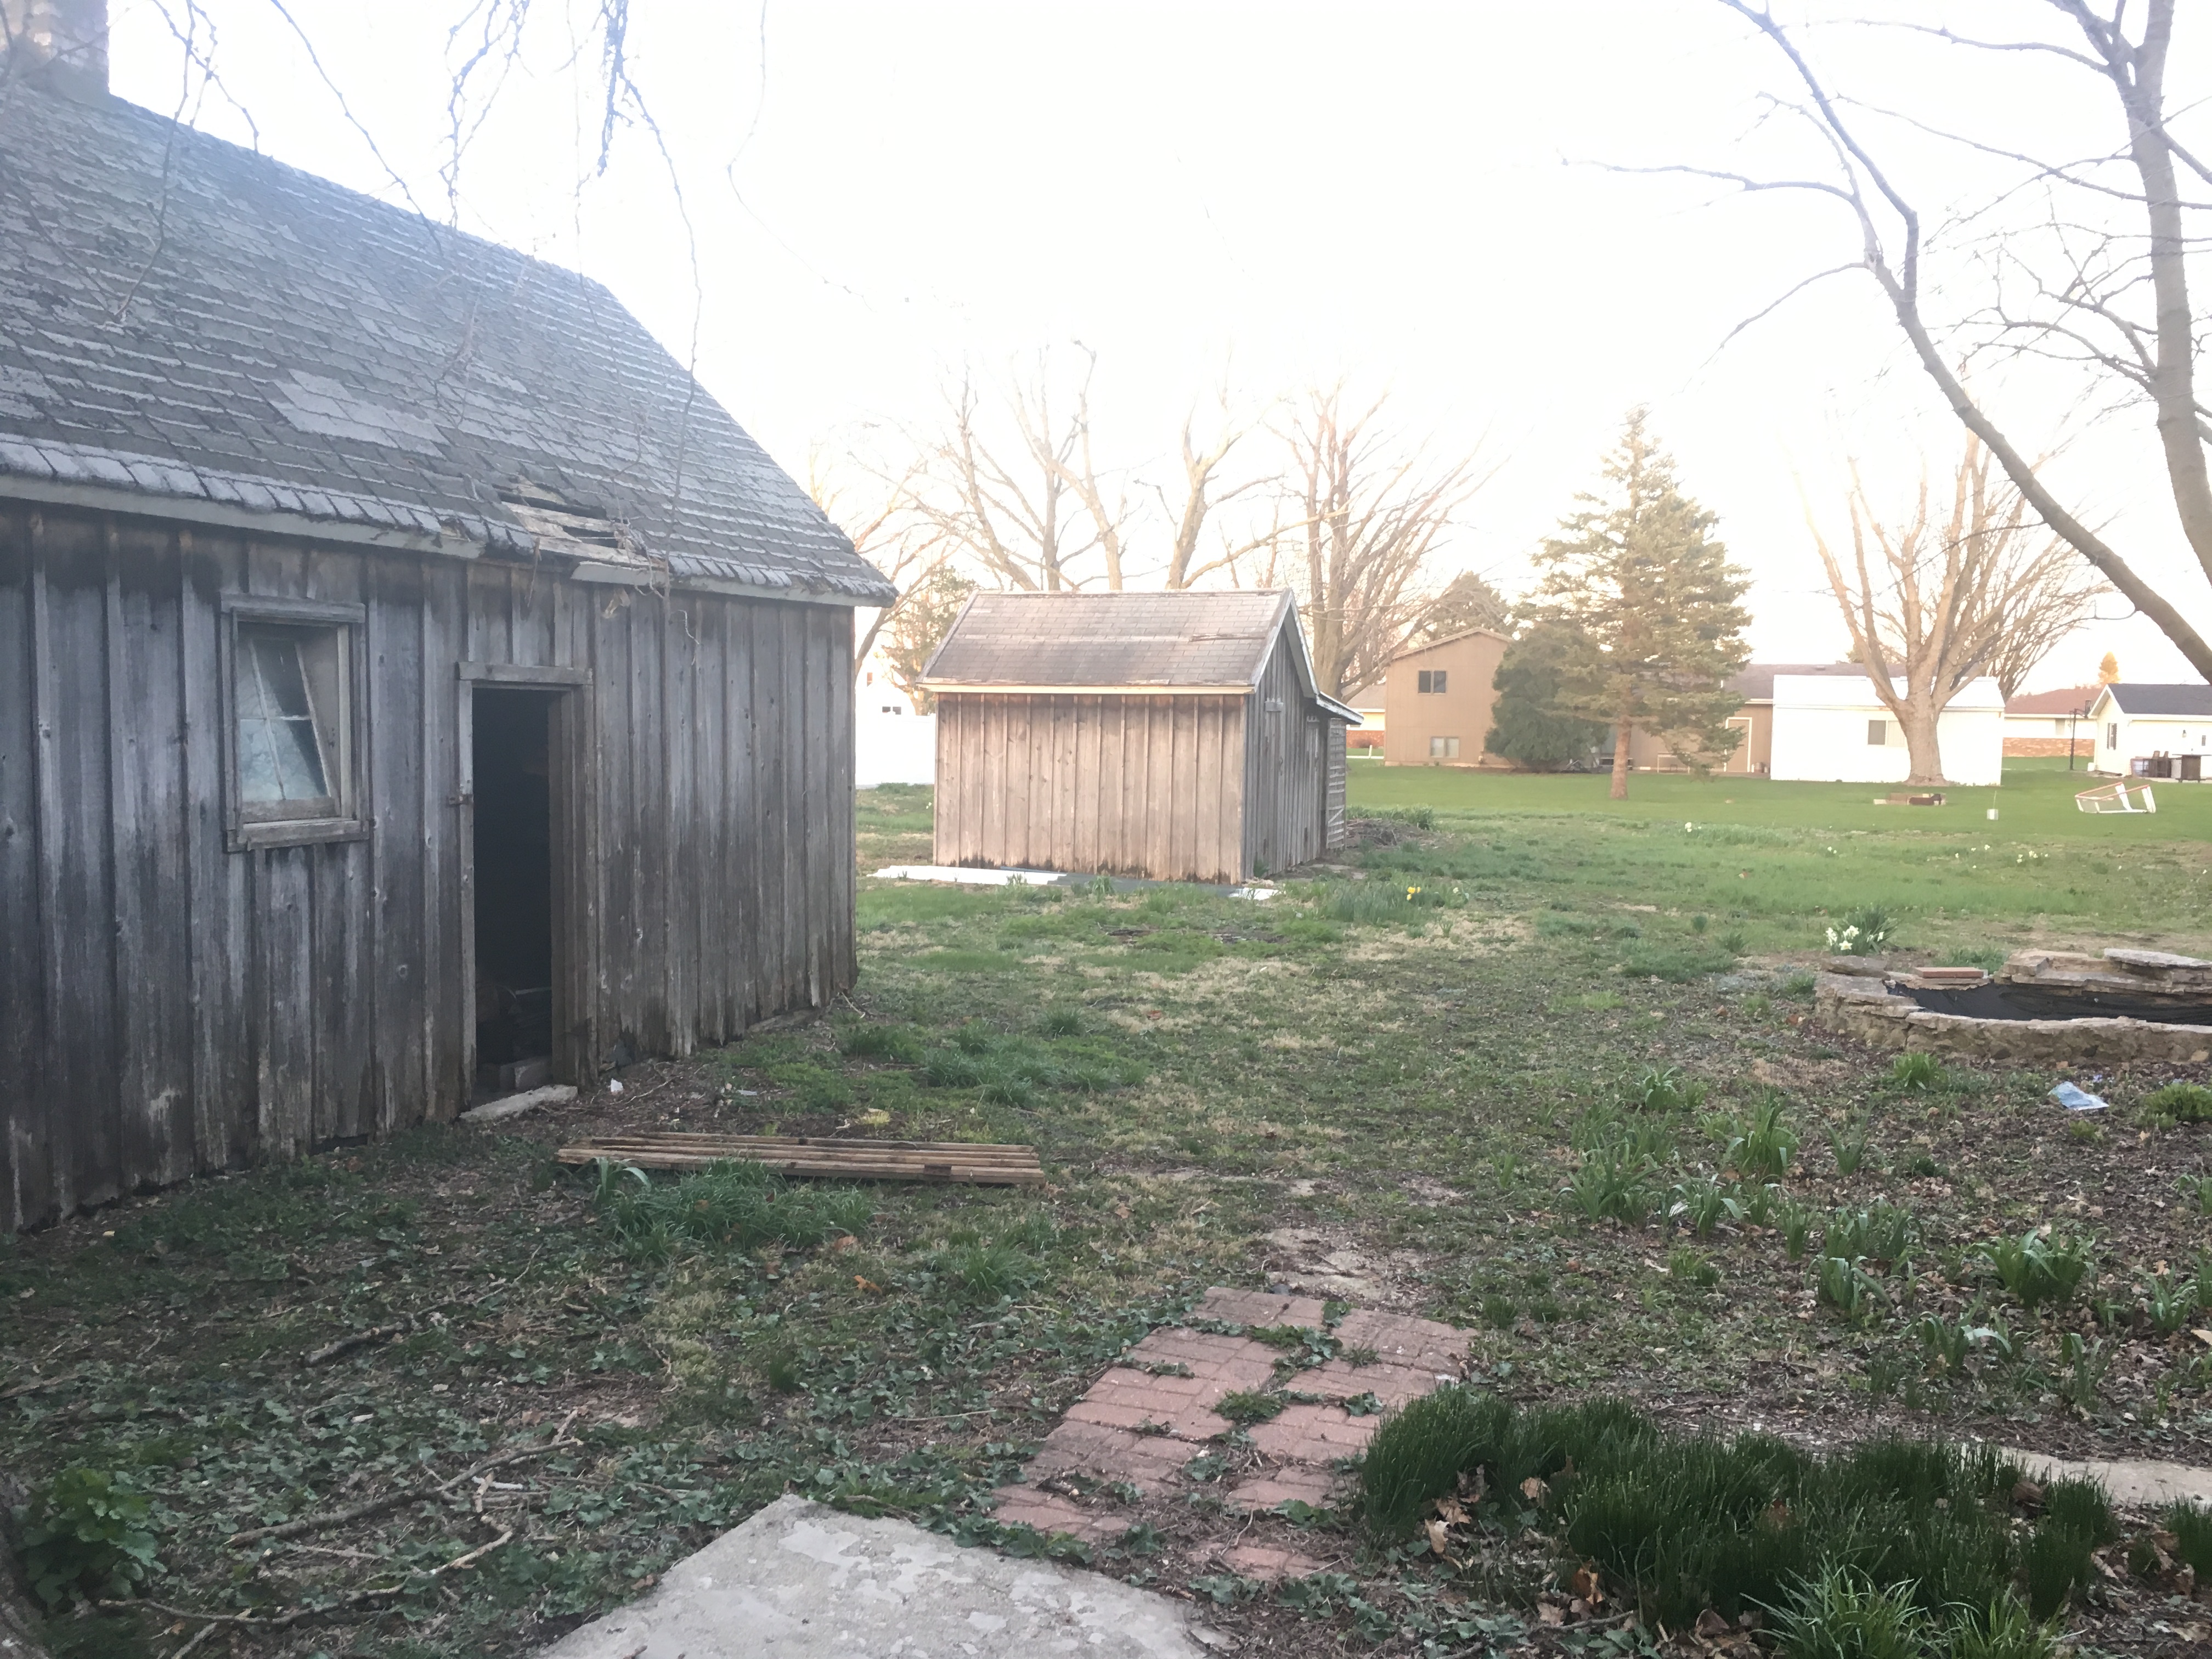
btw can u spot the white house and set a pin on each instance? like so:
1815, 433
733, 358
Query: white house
2133, 722
1831, 727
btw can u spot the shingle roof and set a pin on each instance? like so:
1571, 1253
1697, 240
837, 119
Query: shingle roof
184, 319
2192, 701
2068, 700
1756, 682
1109, 641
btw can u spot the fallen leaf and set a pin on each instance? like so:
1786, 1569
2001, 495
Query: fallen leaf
1534, 1490
867, 1284
2200, 1333
1549, 1614
1710, 1626
1454, 1512
844, 1242
1584, 1584
1439, 1539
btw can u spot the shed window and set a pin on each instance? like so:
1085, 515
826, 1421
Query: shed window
1444, 748
1877, 734
293, 682
1430, 683
2113, 735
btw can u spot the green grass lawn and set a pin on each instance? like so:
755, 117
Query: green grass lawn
1782, 857
1543, 1069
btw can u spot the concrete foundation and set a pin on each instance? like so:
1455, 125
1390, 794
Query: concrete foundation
799, 1581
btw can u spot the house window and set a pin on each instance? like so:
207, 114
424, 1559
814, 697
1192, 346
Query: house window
1877, 734
293, 677
2113, 735
1444, 748
1430, 683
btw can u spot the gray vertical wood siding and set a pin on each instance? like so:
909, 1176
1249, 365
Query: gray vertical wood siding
1142, 786
168, 1006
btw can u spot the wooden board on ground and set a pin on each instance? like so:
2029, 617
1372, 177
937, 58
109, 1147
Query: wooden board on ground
960, 1162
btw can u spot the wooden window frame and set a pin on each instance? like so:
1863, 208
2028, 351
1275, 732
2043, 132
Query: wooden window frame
242, 833
1431, 681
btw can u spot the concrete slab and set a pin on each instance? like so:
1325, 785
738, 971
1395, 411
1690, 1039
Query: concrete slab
2133, 1483
799, 1581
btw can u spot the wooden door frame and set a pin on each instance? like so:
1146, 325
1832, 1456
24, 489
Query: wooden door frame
572, 756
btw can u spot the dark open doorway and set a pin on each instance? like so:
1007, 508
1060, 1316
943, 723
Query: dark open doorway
512, 753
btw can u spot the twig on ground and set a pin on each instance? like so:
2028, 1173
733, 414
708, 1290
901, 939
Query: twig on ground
286, 1620
37, 1383
394, 1500
358, 1340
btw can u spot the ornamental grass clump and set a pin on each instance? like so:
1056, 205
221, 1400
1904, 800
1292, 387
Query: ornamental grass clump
1897, 1546
735, 1204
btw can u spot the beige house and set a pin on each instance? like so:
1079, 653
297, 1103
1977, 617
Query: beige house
1437, 701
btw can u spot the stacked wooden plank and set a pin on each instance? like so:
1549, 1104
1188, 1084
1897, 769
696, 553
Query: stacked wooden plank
959, 1162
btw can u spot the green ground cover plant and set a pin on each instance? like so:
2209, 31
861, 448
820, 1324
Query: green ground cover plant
1915, 1539
1409, 1111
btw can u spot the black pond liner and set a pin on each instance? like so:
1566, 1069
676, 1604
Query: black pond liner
1996, 1001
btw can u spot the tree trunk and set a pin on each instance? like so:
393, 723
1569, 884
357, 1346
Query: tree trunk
19, 1624
1622, 732
1917, 716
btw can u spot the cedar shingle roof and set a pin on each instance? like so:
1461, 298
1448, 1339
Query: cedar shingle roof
183, 319
1111, 642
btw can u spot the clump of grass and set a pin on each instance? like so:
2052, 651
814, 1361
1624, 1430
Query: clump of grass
902, 1043
1919, 1071
1797, 986
1843, 1615
1881, 1232
1665, 1089
1848, 1143
1896, 1547
2198, 1190
2178, 1103
2042, 1269
1676, 963
1762, 1144
2192, 1537
1061, 1023
977, 1272
1384, 900
1609, 1185
732, 1205
1250, 1406
1702, 1205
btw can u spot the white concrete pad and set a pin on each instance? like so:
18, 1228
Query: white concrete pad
799, 1581
2133, 1483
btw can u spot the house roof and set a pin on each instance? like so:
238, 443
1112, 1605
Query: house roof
2068, 700
1212, 642
2175, 701
1416, 648
192, 330
1755, 684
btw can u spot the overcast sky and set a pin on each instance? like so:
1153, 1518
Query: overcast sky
1410, 196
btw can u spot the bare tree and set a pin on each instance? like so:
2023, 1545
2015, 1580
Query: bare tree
2082, 288
1368, 510
1022, 498
1205, 492
1948, 600
875, 506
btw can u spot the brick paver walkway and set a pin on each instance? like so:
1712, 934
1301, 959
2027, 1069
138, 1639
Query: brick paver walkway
1142, 1423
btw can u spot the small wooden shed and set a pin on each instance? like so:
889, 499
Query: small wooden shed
406, 667
1178, 736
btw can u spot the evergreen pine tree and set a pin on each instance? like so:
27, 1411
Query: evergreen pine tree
1526, 727
1651, 600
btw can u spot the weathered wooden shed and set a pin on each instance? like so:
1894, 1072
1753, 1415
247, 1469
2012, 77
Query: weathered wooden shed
404, 665
1179, 736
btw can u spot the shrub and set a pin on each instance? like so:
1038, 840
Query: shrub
2178, 1102
88, 1530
